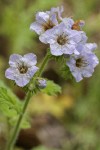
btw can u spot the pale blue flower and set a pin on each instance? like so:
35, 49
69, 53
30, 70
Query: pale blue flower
21, 69
47, 20
72, 25
44, 21
58, 11
83, 65
69, 22
61, 40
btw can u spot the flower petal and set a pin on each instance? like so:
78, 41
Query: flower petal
58, 11
31, 71
68, 22
9, 73
22, 80
47, 36
14, 58
37, 27
70, 49
91, 46
31, 59
42, 17
87, 72
77, 75
75, 36
83, 37
56, 50
53, 19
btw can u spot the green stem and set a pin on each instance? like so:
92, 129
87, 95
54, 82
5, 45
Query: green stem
28, 96
45, 61
17, 128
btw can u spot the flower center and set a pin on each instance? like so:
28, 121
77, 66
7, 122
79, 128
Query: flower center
23, 69
81, 63
61, 40
48, 25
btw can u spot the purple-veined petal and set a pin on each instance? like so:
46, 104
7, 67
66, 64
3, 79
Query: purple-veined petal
10, 73
77, 76
75, 36
91, 46
47, 37
31, 59
38, 28
42, 17
14, 58
56, 50
22, 81
31, 71
68, 22
53, 19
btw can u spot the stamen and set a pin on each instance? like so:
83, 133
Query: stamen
23, 69
80, 62
48, 25
61, 40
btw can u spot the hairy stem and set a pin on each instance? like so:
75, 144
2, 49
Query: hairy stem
45, 61
15, 133
17, 127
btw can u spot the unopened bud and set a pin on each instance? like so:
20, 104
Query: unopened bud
42, 83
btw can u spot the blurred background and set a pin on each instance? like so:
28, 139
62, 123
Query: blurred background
71, 120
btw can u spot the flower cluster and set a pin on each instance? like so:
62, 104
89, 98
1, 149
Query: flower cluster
66, 37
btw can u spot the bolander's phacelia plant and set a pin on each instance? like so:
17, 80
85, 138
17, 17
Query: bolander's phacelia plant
66, 39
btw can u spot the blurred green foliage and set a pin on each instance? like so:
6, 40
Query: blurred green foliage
41, 148
16, 18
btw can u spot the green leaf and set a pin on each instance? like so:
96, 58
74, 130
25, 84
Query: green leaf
62, 69
9, 103
11, 106
52, 88
65, 72
24, 124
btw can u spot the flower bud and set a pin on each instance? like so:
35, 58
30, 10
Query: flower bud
42, 83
